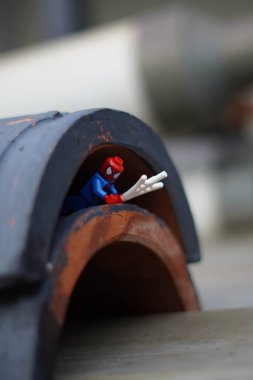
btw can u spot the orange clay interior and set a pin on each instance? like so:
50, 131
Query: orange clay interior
123, 278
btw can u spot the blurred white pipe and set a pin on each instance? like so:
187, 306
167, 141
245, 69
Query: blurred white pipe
86, 70
203, 192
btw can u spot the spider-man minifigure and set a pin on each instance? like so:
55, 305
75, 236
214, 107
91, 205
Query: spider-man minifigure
100, 187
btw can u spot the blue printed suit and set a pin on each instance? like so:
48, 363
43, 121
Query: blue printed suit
92, 193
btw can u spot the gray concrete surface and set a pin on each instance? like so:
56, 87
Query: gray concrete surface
224, 277
214, 345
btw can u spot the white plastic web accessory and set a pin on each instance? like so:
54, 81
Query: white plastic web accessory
145, 185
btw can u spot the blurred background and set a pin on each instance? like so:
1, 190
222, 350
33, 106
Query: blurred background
184, 67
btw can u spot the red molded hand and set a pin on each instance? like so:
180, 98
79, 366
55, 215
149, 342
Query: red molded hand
112, 199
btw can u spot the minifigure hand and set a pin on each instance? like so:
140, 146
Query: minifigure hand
112, 199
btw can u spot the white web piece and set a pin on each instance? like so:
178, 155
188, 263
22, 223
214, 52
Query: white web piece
145, 185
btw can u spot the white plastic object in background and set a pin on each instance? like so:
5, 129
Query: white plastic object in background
96, 68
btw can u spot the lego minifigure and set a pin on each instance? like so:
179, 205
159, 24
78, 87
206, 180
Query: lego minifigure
101, 187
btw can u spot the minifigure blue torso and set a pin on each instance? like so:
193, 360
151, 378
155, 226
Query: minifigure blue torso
96, 189
92, 193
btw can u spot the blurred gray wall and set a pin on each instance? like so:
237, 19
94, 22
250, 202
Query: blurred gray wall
29, 21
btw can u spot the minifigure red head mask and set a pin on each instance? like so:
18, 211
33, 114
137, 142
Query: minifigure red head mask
111, 168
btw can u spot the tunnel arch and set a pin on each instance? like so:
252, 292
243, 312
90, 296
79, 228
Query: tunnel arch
40, 158
40, 164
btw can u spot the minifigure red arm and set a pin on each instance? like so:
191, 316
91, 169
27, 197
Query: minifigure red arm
112, 199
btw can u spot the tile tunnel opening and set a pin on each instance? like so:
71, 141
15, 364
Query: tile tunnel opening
157, 202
